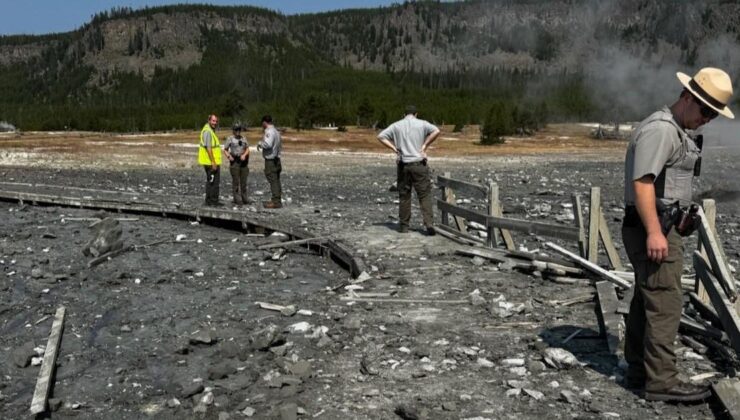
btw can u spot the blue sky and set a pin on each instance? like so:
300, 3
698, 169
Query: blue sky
46, 16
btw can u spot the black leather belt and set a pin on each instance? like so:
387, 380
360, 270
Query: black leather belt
418, 163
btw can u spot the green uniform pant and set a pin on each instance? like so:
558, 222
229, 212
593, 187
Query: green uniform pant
655, 312
213, 182
239, 173
414, 175
273, 168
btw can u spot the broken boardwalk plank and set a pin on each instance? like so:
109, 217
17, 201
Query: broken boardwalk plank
610, 322
43, 384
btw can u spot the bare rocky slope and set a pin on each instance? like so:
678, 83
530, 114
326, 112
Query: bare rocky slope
536, 36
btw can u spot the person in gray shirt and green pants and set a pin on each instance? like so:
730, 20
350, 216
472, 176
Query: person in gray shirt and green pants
271, 146
409, 138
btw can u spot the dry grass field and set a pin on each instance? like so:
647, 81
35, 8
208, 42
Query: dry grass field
176, 149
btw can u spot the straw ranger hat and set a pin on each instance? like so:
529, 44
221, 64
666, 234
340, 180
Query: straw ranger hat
712, 86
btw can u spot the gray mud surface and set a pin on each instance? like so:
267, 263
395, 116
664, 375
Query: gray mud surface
172, 330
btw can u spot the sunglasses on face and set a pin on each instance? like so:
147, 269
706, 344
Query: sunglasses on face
705, 111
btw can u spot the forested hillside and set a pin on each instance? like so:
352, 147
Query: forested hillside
167, 67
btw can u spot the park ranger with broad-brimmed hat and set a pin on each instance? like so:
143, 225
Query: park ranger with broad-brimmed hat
660, 164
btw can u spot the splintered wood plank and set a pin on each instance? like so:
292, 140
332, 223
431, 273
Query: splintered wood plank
728, 392
725, 309
578, 213
618, 281
710, 211
469, 252
508, 239
290, 243
593, 225
43, 384
476, 190
609, 321
606, 239
457, 236
404, 301
624, 304
495, 209
705, 309
492, 233
449, 196
715, 255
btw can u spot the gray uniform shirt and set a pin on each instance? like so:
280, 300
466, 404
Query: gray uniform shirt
233, 147
659, 147
207, 139
408, 135
271, 143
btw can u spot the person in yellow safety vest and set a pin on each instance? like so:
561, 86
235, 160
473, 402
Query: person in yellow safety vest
209, 156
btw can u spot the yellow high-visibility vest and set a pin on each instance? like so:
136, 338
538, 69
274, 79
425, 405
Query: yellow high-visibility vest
203, 158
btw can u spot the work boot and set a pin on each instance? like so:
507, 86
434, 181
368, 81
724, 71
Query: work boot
681, 392
429, 231
634, 385
403, 229
272, 205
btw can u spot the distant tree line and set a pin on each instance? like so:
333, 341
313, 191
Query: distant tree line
243, 78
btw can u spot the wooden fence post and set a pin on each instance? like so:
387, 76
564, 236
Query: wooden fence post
578, 213
450, 198
593, 225
495, 209
606, 239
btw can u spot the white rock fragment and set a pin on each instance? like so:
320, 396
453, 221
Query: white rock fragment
363, 277
318, 332
690, 355
537, 395
476, 299
207, 399
560, 358
512, 362
484, 362
299, 327
514, 392
520, 370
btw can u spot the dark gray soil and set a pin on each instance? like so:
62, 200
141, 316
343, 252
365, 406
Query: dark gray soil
172, 330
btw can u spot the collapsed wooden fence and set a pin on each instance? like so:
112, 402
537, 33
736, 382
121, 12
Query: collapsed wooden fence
498, 228
714, 293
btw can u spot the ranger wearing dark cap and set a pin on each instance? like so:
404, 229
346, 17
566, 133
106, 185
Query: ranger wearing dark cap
237, 151
410, 138
660, 163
